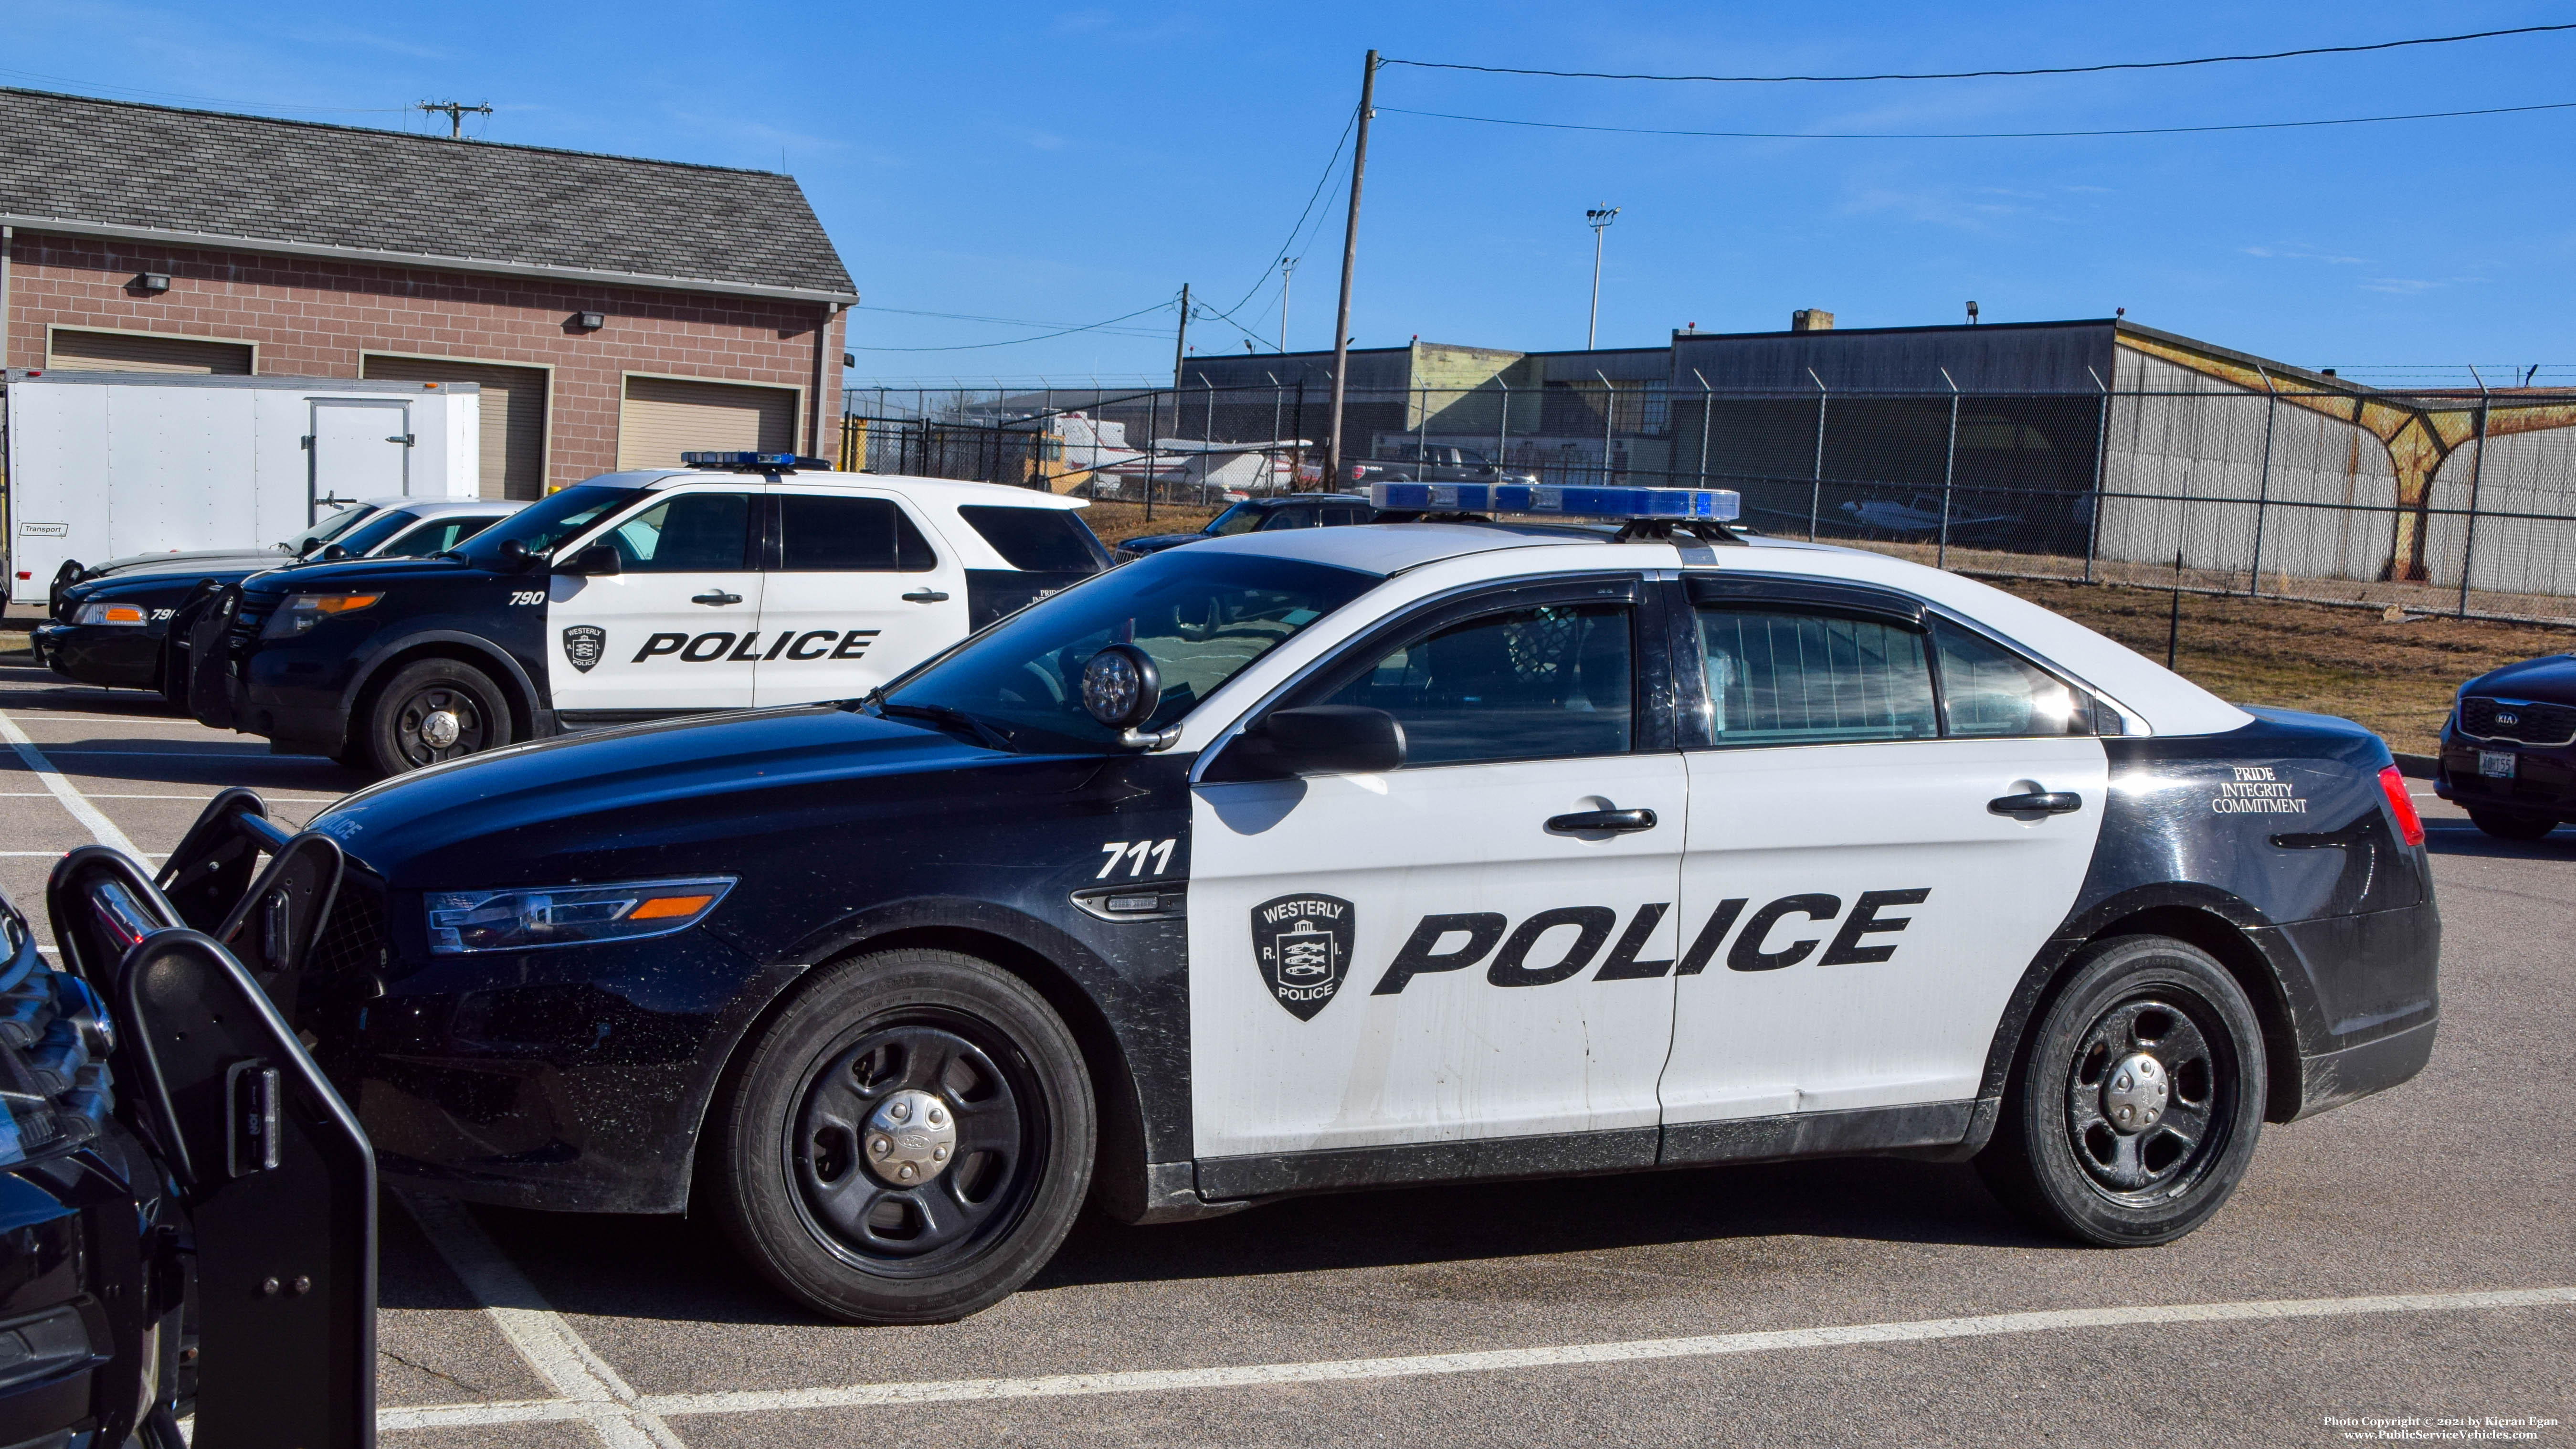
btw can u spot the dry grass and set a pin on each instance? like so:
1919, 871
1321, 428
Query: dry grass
2396, 677
1113, 519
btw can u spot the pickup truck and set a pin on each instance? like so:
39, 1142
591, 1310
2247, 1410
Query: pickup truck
1429, 463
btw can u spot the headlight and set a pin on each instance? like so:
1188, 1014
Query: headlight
304, 611
516, 919
107, 613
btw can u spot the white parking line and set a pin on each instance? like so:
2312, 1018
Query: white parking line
1498, 1360
101, 829
200, 799
590, 1389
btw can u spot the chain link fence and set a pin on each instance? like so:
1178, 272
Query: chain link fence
2450, 501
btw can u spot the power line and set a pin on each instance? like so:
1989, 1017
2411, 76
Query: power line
1980, 135
1984, 74
1288, 247
1016, 341
1008, 321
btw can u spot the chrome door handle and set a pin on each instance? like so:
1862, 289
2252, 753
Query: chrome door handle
925, 596
2037, 802
715, 596
1584, 822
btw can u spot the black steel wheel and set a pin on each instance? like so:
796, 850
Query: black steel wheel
908, 1141
923, 1083
2506, 826
2136, 1102
433, 710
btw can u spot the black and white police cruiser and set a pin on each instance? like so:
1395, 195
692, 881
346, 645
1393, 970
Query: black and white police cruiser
1412, 852
744, 579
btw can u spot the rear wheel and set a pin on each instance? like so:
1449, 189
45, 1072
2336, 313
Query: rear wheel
433, 710
908, 1142
2136, 1106
2504, 826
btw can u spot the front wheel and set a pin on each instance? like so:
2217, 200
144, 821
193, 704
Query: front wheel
433, 710
2135, 1107
2512, 827
908, 1142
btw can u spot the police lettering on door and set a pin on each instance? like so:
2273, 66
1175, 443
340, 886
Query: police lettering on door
1300, 942
737, 648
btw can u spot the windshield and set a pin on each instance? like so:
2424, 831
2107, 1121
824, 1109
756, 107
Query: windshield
1201, 618
1241, 518
364, 538
548, 521
329, 528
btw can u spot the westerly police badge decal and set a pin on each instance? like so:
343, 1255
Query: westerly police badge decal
1304, 946
583, 644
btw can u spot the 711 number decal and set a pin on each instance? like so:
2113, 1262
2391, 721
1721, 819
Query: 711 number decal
1133, 854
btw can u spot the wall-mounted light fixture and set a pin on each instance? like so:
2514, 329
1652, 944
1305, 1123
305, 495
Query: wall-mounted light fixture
589, 321
849, 359
152, 282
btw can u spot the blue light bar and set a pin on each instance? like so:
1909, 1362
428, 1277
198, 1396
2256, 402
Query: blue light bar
1715, 505
750, 460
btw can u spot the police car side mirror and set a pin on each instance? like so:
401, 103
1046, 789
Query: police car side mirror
1334, 739
1121, 687
333, 552
598, 559
513, 553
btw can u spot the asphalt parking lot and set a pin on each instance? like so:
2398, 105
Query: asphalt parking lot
2409, 1257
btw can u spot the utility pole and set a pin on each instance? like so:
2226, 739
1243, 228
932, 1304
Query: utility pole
1180, 350
1287, 274
1599, 219
456, 114
1350, 247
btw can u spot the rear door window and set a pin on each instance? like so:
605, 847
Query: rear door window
1989, 691
1790, 677
821, 533
1040, 540
1300, 516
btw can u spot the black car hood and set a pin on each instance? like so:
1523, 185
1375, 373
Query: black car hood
503, 816
2550, 679
1155, 542
360, 572
245, 560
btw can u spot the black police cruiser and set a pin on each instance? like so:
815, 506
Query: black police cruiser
114, 625
746, 579
1343, 857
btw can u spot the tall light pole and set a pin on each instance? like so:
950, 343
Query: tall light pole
1287, 274
1599, 219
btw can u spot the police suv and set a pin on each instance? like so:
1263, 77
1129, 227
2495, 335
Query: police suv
1409, 852
745, 579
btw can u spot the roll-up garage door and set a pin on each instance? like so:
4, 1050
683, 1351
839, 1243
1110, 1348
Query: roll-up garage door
664, 417
75, 351
514, 417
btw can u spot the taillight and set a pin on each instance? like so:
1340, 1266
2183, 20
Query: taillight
2402, 805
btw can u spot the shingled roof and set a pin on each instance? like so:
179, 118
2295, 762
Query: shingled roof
108, 168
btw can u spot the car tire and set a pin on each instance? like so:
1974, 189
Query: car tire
2061, 1156
2512, 827
434, 710
796, 1175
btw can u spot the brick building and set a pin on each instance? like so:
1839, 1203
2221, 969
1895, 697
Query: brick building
613, 310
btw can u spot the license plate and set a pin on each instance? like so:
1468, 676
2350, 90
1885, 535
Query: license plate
2496, 764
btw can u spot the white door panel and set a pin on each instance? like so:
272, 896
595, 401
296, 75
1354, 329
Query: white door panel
679, 628
1871, 996
1447, 1054
867, 589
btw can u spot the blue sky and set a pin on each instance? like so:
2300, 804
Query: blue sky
1052, 164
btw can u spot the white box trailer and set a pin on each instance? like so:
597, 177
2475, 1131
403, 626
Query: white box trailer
104, 465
